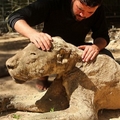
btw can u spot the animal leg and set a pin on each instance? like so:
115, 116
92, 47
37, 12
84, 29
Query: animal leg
54, 99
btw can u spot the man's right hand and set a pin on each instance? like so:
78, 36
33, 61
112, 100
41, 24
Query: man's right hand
41, 40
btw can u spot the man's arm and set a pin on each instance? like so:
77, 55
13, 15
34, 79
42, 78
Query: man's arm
100, 42
31, 15
40, 39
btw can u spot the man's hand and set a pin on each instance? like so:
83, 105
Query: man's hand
90, 52
41, 40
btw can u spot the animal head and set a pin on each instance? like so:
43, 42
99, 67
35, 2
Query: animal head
33, 63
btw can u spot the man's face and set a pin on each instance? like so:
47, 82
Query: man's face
82, 11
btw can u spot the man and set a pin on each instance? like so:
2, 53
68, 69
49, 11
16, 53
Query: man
69, 19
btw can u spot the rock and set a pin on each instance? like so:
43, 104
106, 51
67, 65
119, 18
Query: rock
89, 86
114, 34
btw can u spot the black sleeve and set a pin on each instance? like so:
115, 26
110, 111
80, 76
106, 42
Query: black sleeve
99, 27
34, 13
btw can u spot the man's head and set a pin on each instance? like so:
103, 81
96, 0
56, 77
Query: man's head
83, 9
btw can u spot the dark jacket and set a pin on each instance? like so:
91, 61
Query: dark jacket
59, 21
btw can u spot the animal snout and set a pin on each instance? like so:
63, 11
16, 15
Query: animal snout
10, 64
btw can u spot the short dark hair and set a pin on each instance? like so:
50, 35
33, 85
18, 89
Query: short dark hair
91, 3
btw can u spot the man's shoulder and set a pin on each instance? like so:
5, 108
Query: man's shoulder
100, 11
100, 8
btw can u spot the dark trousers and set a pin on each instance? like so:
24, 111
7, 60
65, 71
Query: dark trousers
107, 52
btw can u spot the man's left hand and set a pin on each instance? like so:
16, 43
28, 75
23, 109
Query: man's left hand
89, 52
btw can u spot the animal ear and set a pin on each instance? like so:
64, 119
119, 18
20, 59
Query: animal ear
63, 56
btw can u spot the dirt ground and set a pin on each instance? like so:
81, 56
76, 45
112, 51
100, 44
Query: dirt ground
6, 83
